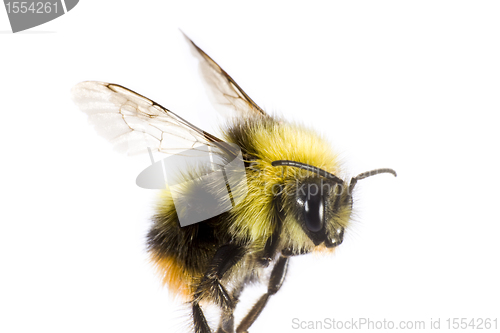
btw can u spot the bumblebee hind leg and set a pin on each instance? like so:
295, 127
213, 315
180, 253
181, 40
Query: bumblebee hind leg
211, 288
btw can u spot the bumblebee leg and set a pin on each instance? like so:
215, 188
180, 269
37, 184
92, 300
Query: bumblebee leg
199, 320
226, 324
275, 282
210, 286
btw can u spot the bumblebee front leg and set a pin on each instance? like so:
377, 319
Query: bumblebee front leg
211, 288
275, 282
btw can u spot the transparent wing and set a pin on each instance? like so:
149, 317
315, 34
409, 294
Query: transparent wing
133, 122
224, 92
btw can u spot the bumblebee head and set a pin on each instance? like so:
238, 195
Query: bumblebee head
323, 202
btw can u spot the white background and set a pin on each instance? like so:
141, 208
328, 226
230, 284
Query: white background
410, 85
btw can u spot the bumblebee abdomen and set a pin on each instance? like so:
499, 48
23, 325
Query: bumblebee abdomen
181, 255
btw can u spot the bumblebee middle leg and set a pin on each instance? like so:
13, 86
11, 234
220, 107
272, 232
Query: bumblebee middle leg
226, 324
211, 288
275, 282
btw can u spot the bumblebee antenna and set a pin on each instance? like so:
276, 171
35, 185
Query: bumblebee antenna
367, 174
308, 167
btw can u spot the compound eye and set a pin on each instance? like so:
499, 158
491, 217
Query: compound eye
314, 209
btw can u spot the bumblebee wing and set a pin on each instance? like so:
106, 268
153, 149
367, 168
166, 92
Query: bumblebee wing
133, 122
226, 95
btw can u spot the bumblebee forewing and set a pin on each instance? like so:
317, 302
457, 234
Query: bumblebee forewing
132, 122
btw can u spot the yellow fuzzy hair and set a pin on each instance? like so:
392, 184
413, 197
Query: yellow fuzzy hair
277, 140
250, 221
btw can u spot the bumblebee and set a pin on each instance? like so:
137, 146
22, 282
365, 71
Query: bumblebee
294, 203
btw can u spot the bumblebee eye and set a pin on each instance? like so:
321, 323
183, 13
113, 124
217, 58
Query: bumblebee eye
314, 209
